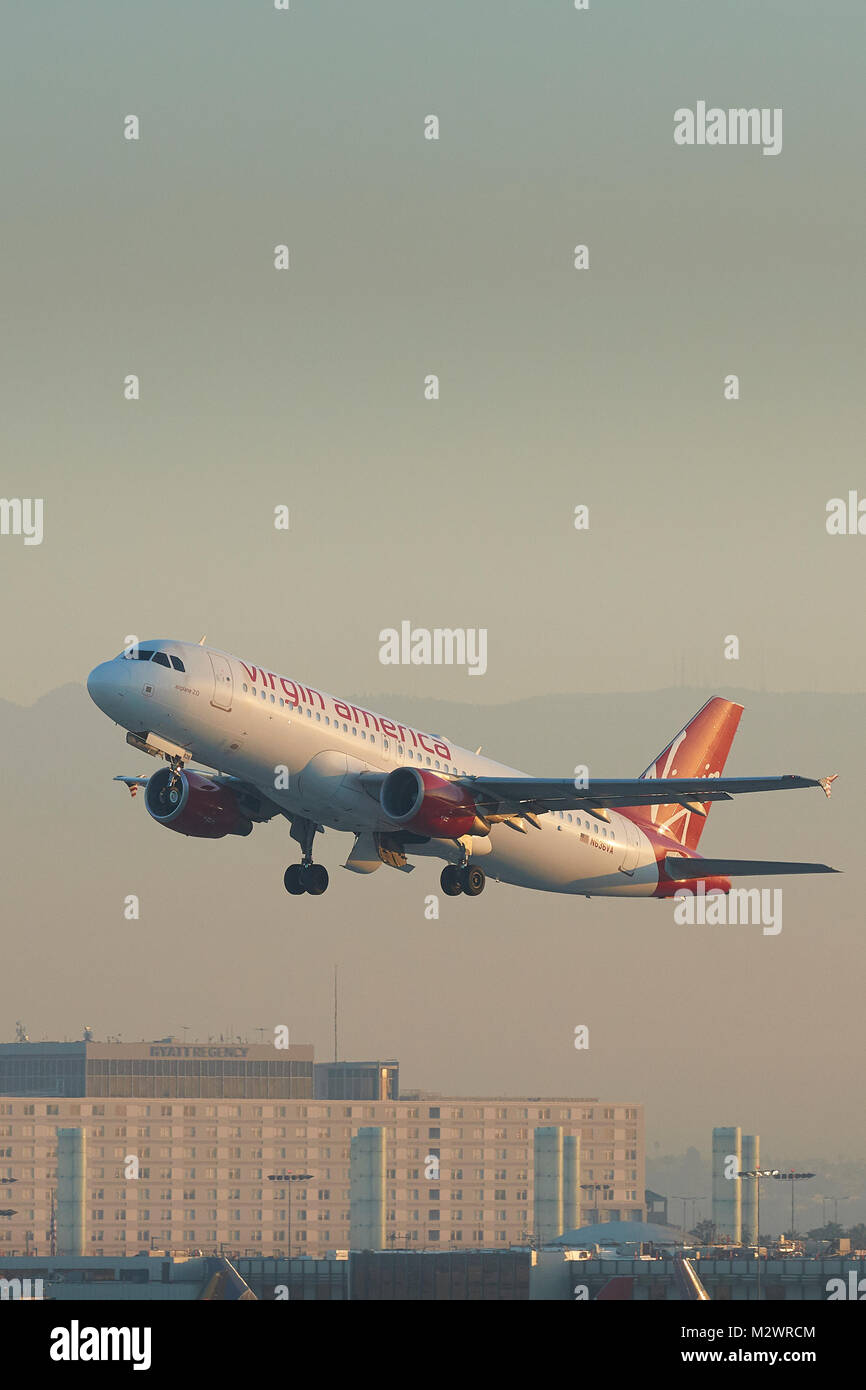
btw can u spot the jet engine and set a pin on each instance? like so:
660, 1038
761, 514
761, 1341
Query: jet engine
430, 805
193, 804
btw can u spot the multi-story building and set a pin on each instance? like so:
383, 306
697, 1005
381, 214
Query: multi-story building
356, 1080
163, 1068
185, 1171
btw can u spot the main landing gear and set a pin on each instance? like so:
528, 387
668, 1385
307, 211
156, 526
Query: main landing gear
305, 877
462, 878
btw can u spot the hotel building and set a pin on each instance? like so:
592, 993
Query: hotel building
184, 1147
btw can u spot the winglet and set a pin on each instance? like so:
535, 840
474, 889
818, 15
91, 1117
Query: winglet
827, 783
132, 783
201, 640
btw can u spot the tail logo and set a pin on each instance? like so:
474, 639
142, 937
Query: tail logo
677, 823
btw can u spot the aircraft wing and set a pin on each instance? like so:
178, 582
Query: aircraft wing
516, 795
256, 805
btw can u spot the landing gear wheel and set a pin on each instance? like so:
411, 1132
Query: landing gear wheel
292, 880
473, 881
451, 880
314, 877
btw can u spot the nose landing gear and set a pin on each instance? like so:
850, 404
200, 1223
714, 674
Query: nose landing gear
305, 877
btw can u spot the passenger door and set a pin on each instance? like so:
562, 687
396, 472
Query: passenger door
223, 686
632, 846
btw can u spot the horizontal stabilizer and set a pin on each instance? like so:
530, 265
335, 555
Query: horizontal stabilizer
677, 867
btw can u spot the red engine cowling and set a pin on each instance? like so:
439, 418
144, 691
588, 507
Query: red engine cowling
193, 804
430, 805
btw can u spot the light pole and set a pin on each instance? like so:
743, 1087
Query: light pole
595, 1187
291, 1179
756, 1174
793, 1178
677, 1198
684, 1200
836, 1201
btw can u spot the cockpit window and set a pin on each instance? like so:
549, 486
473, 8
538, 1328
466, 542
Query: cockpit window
160, 658
137, 654
177, 663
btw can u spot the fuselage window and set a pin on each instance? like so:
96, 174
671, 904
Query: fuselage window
244, 687
253, 692
318, 716
437, 763
177, 663
569, 818
595, 829
264, 694
386, 745
327, 719
345, 728
273, 699
160, 658
281, 702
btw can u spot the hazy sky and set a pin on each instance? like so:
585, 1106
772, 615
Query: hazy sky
559, 387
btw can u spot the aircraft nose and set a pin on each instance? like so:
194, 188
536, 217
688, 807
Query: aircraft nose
103, 686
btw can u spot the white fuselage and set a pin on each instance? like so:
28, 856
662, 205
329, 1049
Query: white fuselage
301, 748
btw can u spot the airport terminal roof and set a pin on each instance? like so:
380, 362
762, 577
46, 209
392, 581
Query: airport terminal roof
621, 1233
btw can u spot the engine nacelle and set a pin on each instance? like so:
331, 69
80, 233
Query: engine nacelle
430, 805
194, 804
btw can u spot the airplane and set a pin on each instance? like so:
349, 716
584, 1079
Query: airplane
277, 747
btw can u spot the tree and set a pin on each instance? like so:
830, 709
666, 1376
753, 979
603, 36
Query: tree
830, 1231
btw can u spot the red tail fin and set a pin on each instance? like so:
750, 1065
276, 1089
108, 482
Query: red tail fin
699, 750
